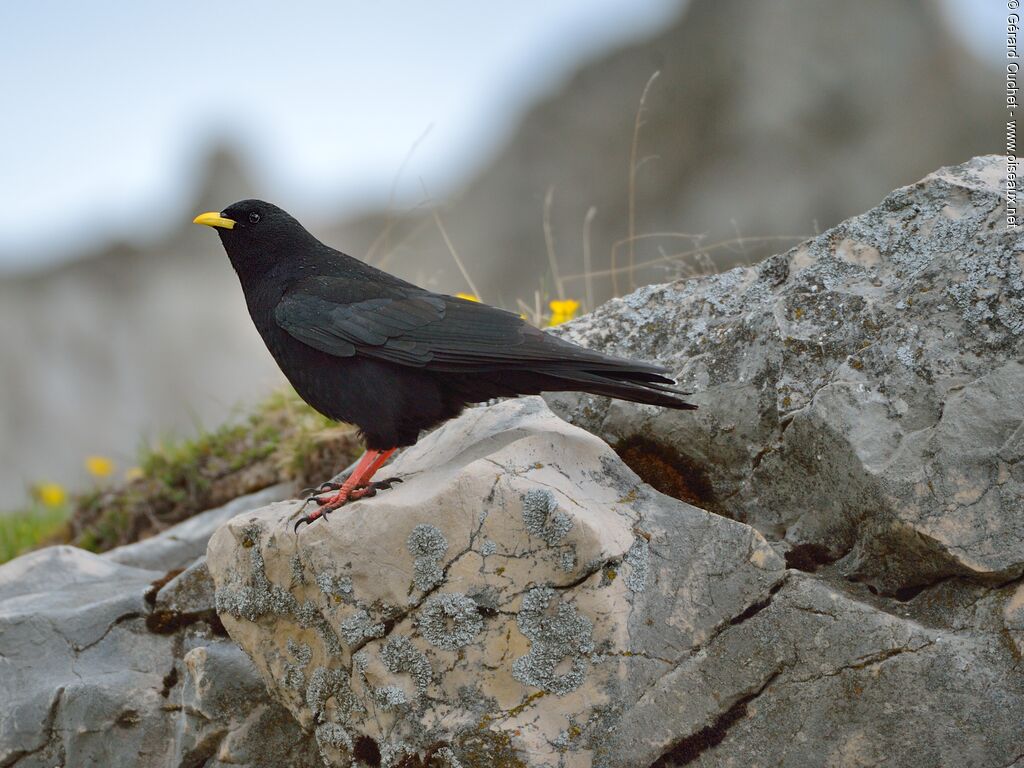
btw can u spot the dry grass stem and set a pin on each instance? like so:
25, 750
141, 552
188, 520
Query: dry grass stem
633, 165
588, 221
549, 242
697, 253
455, 255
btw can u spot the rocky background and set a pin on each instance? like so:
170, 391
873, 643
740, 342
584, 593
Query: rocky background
765, 125
820, 566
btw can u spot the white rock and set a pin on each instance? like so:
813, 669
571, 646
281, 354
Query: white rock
513, 596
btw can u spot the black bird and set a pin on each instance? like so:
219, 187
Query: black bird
364, 347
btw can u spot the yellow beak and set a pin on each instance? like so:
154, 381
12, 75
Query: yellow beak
214, 219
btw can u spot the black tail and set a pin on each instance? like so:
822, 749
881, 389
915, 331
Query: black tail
643, 386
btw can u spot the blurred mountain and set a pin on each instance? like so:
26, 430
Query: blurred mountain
766, 120
124, 343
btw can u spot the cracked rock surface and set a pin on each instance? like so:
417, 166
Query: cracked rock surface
108, 664
861, 396
512, 601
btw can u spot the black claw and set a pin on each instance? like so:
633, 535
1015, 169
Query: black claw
383, 485
304, 519
327, 486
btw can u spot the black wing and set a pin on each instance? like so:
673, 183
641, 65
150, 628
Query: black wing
409, 326
396, 323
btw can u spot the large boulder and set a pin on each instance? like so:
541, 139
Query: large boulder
104, 663
510, 601
861, 396
524, 599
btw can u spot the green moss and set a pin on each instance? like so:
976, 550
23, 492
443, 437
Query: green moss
482, 748
281, 439
27, 529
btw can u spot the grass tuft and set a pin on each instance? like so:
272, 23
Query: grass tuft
281, 440
27, 529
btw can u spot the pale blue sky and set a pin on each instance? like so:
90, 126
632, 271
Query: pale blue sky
106, 104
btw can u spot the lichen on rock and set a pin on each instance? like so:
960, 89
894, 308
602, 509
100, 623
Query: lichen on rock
295, 672
335, 743
330, 684
400, 656
358, 627
449, 620
334, 585
557, 633
638, 559
543, 518
427, 545
488, 654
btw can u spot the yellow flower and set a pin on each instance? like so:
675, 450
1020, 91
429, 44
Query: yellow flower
133, 473
100, 466
51, 494
562, 311
467, 297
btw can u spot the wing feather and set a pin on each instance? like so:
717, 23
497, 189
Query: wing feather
410, 326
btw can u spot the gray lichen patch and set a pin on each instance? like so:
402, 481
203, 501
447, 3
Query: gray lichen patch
334, 742
450, 621
334, 586
297, 569
308, 615
542, 517
396, 754
567, 560
427, 545
358, 627
638, 559
400, 656
990, 289
390, 697
446, 758
259, 597
294, 671
488, 548
557, 633
327, 685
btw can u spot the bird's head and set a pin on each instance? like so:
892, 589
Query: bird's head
256, 235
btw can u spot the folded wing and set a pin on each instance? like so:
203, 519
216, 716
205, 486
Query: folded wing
408, 326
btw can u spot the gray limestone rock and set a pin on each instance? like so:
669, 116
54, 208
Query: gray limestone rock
818, 677
107, 664
509, 647
861, 396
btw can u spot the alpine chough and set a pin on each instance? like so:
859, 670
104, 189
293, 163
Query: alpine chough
364, 347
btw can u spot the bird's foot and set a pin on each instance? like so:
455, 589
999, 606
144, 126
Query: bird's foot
327, 504
379, 485
383, 485
312, 493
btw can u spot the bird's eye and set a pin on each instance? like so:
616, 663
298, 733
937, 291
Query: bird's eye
254, 217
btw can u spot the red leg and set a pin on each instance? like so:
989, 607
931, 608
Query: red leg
353, 487
360, 489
